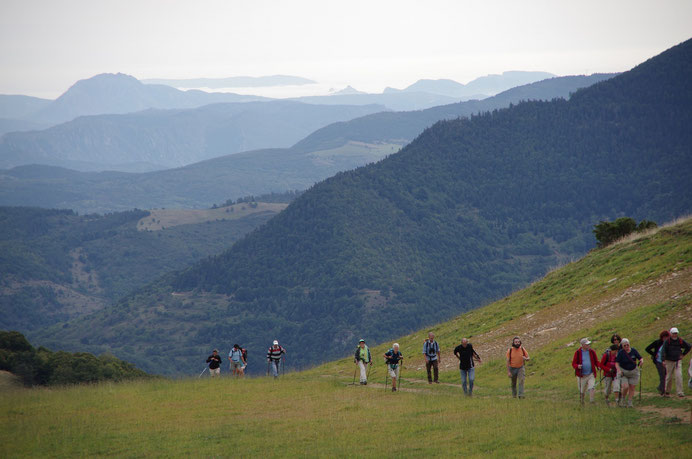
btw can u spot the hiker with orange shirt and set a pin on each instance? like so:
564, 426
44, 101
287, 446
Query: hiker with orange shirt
516, 358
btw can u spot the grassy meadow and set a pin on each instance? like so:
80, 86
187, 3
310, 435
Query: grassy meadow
636, 288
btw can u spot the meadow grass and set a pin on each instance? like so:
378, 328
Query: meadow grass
314, 417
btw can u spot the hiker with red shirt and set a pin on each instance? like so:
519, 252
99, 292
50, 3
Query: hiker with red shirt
611, 381
585, 364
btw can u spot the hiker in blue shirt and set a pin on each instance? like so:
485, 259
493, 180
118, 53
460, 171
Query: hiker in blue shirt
237, 360
431, 351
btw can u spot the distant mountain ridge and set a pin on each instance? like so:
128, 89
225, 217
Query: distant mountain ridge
161, 139
334, 148
484, 86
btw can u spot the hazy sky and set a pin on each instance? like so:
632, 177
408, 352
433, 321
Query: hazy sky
47, 45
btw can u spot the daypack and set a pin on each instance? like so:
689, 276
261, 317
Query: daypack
431, 350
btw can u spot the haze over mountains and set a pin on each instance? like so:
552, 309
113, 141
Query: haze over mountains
334, 148
470, 210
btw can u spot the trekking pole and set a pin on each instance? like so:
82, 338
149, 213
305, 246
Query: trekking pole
640, 383
268, 363
367, 376
386, 375
205, 369
354, 376
398, 379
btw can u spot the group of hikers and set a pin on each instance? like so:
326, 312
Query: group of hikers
620, 365
237, 358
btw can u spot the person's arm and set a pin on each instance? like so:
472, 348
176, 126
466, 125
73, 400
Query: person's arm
439, 358
525, 354
425, 354
686, 347
575, 360
369, 357
652, 348
618, 370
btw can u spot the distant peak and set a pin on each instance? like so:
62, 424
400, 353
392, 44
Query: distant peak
347, 90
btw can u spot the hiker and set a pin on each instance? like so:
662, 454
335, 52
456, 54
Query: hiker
431, 351
654, 349
274, 355
585, 364
362, 358
235, 357
612, 382
627, 362
392, 359
214, 361
674, 349
466, 355
516, 357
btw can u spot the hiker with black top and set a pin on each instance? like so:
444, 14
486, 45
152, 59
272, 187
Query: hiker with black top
466, 355
214, 361
393, 358
654, 349
611, 381
516, 358
628, 363
616, 340
362, 358
431, 351
674, 349
235, 357
274, 355
585, 364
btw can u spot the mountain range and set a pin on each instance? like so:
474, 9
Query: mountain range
161, 139
334, 148
469, 211
231, 82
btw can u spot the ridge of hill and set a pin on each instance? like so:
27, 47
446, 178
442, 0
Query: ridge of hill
338, 147
171, 138
231, 82
470, 211
109, 93
635, 288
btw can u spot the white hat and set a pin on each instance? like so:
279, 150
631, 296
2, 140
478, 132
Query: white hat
585, 341
276, 343
673, 330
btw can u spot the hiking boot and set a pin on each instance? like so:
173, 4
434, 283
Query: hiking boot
393, 389
365, 383
437, 382
681, 395
629, 404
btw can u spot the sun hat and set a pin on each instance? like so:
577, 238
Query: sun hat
276, 343
585, 341
673, 330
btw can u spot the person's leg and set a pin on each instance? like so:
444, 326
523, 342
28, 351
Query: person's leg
670, 367
428, 366
661, 368
678, 378
472, 376
275, 368
520, 382
591, 384
436, 369
607, 387
463, 379
514, 372
363, 372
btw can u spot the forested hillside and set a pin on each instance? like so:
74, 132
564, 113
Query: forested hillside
57, 265
469, 211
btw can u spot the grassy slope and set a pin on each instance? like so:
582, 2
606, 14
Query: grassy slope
635, 287
168, 218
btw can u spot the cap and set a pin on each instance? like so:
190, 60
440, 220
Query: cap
361, 340
585, 341
673, 330
275, 343
216, 350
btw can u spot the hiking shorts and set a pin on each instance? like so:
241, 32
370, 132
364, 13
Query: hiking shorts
611, 384
393, 372
236, 365
630, 377
586, 382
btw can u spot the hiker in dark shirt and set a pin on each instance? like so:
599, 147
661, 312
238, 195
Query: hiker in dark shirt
653, 350
627, 363
466, 355
214, 361
674, 349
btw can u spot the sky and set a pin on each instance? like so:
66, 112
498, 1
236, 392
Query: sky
47, 45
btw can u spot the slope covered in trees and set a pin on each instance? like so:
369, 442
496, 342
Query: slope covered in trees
469, 211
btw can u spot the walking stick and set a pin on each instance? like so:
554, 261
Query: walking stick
398, 379
205, 369
386, 375
367, 376
268, 363
354, 375
640, 383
